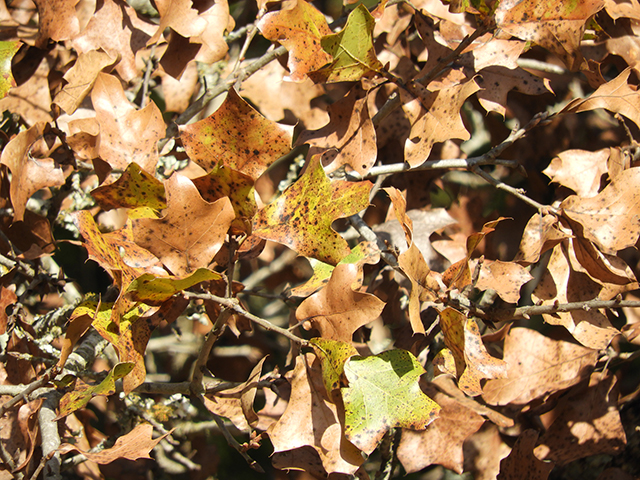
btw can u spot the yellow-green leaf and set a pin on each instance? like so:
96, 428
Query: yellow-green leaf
333, 356
7, 51
135, 188
154, 290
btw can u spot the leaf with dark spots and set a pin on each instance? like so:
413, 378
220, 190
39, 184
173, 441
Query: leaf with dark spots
333, 356
301, 217
384, 393
222, 182
237, 136
300, 29
192, 230
135, 188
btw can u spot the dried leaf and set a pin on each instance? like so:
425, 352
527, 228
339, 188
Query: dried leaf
579, 170
300, 29
521, 463
301, 217
190, 233
58, 20
537, 366
506, 278
132, 446
337, 311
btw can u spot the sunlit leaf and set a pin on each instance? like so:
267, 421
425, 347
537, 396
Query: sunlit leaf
7, 51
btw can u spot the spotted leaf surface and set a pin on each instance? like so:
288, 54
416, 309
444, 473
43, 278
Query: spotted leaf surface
352, 50
135, 188
238, 136
300, 29
154, 290
301, 217
333, 356
384, 393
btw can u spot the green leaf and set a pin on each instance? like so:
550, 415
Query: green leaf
352, 49
237, 135
301, 217
333, 356
83, 392
154, 290
7, 51
135, 188
384, 393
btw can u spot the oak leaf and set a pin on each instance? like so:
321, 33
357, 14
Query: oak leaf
337, 311
238, 136
537, 366
352, 49
384, 393
434, 117
126, 134
29, 173
135, 188
300, 29
506, 278
7, 52
154, 290
58, 20
132, 446
349, 139
301, 217
579, 170
472, 361
521, 463
191, 231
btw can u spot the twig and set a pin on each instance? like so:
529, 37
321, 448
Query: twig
196, 386
233, 443
24, 268
50, 436
533, 64
147, 76
26, 391
233, 304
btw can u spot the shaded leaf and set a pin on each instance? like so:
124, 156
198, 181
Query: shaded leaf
237, 136
82, 393
300, 29
337, 311
301, 217
351, 49
132, 446
537, 366
29, 174
135, 188
191, 231
384, 393
521, 463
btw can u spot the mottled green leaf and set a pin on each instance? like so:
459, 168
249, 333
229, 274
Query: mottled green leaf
83, 392
301, 217
135, 188
352, 50
7, 51
333, 356
384, 393
154, 290
237, 135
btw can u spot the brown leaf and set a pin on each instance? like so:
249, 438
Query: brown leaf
441, 443
116, 29
126, 134
585, 422
521, 463
541, 233
561, 283
29, 173
192, 230
32, 99
579, 170
81, 78
180, 17
58, 20
7, 297
558, 28
473, 362
349, 138
311, 420
238, 136
506, 278
132, 446
611, 219
434, 117
299, 27
337, 311
537, 366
